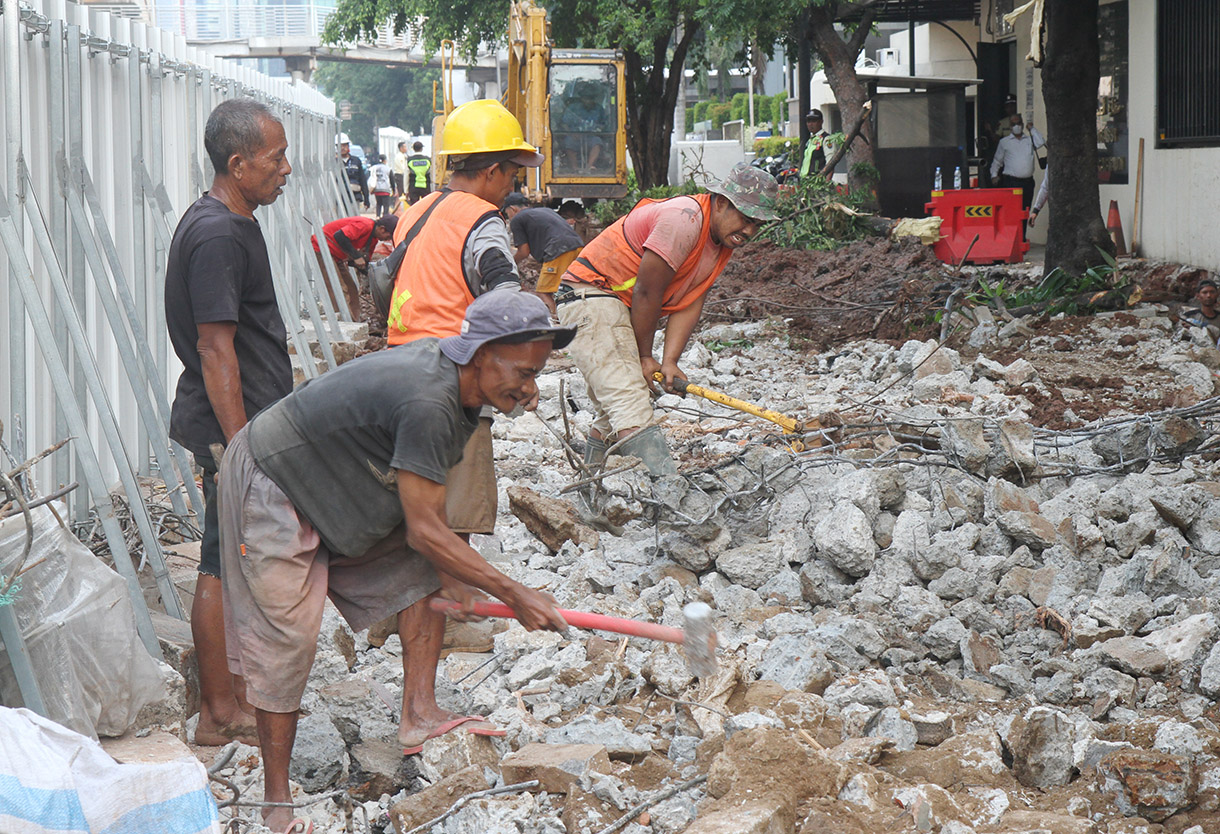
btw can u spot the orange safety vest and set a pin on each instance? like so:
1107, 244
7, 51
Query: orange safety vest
611, 263
431, 293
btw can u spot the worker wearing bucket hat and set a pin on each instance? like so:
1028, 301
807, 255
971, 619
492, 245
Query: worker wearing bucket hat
659, 259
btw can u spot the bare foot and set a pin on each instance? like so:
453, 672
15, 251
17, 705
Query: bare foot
241, 727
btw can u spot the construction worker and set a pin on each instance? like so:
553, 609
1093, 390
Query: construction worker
659, 259
357, 177
340, 490
814, 158
351, 240
225, 327
546, 235
419, 174
460, 250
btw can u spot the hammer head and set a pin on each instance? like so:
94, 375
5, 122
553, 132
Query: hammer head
699, 639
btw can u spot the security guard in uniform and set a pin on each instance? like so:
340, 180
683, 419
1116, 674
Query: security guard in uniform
814, 159
419, 174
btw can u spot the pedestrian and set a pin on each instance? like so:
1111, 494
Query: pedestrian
382, 185
659, 259
225, 328
419, 171
1016, 156
813, 159
339, 490
357, 180
543, 233
351, 241
459, 251
400, 170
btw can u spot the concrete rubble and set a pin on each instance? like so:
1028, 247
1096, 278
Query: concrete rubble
941, 619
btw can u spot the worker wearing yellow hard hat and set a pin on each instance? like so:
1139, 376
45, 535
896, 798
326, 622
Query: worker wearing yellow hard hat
457, 248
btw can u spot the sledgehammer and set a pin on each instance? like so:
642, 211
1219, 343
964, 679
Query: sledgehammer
697, 637
788, 424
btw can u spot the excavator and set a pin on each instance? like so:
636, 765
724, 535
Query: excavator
570, 103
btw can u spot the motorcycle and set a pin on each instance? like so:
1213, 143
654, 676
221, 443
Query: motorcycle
783, 167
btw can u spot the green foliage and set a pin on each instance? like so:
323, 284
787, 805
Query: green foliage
774, 145
717, 345
607, 211
816, 215
381, 96
740, 107
701, 111
1058, 292
690, 120
719, 112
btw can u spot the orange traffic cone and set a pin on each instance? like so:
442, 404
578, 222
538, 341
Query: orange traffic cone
1114, 225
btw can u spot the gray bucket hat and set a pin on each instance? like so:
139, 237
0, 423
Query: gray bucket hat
501, 313
752, 191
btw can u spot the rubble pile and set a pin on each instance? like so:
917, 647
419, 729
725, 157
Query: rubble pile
941, 616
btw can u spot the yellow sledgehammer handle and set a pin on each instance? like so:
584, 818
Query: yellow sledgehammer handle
789, 425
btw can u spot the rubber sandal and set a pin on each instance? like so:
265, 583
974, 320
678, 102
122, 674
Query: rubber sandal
453, 724
300, 825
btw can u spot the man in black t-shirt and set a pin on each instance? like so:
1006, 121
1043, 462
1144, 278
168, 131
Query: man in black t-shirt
338, 491
541, 232
225, 327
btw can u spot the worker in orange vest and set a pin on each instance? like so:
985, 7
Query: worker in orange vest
659, 259
459, 249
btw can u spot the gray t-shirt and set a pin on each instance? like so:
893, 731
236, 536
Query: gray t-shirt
548, 234
333, 444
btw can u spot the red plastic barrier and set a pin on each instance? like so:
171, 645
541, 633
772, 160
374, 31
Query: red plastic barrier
994, 214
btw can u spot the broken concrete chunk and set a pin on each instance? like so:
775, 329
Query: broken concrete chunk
752, 564
1041, 742
555, 766
1150, 783
553, 520
608, 732
434, 800
1134, 656
845, 539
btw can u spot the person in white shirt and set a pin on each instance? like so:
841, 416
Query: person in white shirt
381, 184
1040, 199
1016, 157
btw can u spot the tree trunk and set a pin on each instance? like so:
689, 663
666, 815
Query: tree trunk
1069, 89
652, 94
839, 61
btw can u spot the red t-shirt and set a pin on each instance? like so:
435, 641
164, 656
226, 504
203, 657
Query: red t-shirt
357, 229
672, 229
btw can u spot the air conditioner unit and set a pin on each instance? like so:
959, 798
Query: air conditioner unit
889, 57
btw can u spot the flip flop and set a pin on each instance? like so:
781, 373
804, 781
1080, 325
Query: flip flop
300, 825
453, 724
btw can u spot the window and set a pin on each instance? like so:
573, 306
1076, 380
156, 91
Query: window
584, 119
1187, 73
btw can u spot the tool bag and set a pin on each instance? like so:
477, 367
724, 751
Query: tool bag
383, 272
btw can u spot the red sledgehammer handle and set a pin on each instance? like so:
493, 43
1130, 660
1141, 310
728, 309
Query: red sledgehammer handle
580, 619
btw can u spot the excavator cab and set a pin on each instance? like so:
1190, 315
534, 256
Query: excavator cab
585, 147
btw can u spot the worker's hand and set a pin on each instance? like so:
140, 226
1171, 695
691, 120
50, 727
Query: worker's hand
536, 610
650, 366
463, 594
1033, 215
360, 263
671, 371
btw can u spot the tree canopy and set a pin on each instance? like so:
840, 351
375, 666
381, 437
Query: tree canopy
380, 96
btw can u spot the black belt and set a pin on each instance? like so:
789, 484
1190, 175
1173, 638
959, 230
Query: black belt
567, 292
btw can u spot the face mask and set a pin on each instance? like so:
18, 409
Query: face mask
1017, 130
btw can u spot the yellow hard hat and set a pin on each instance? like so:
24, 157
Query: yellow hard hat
486, 126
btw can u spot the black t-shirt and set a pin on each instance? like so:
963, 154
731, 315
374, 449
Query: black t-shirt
547, 234
218, 271
334, 445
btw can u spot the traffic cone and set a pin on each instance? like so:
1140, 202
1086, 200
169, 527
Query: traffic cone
1114, 225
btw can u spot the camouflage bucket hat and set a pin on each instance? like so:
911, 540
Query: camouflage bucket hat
752, 191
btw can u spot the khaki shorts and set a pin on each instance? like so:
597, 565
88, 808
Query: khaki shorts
470, 489
276, 575
553, 270
606, 353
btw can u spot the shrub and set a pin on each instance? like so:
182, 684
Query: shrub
774, 145
701, 111
740, 106
719, 112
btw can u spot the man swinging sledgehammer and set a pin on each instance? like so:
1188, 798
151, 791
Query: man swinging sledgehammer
339, 490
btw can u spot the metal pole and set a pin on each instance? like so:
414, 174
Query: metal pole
156, 113
76, 251
22, 276
139, 240
12, 170
59, 212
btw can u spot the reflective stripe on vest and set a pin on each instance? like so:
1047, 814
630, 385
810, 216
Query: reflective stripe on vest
420, 167
430, 290
609, 257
